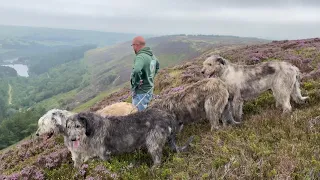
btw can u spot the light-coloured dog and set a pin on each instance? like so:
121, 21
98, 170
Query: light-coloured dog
246, 82
118, 109
205, 99
48, 123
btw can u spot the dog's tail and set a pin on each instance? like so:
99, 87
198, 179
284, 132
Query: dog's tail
174, 147
296, 92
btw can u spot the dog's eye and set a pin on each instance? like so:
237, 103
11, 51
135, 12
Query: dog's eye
77, 126
210, 64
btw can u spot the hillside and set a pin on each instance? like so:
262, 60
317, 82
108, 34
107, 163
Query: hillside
110, 67
76, 77
266, 146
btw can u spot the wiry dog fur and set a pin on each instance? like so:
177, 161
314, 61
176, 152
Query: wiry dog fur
91, 135
48, 123
118, 109
205, 99
249, 81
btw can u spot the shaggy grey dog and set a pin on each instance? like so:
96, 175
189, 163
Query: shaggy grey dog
205, 99
91, 135
246, 82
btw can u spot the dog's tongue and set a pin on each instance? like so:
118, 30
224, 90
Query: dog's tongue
76, 143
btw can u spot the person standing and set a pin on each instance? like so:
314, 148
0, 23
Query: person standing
145, 68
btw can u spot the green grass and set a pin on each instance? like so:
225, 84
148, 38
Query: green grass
56, 101
167, 60
96, 99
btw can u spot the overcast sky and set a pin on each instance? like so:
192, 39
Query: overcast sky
273, 19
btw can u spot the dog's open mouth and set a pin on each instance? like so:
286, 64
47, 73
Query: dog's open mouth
48, 135
76, 144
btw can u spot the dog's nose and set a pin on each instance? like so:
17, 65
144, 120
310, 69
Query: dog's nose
37, 134
202, 72
73, 139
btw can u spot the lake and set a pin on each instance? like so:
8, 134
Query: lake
21, 69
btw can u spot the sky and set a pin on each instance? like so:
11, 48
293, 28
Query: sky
271, 19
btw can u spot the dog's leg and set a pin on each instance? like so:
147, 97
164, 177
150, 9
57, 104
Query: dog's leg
296, 93
276, 99
227, 116
240, 110
155, 142
283, 98
237, 103
105, 155
76, 157
212, 114
174, 147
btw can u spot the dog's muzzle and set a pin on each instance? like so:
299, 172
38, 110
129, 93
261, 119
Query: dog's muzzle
75, 142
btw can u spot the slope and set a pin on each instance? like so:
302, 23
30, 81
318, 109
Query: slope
110, 67
265, 146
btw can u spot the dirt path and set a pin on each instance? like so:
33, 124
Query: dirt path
10, 95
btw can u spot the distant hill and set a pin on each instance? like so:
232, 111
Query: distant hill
21, 41
53, 36
267, 145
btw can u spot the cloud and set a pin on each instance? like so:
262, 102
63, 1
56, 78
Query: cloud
277, 19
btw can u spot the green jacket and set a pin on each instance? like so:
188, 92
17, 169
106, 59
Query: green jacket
145, 68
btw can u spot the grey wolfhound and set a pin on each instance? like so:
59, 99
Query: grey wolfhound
205, 99
90, 135
246, 82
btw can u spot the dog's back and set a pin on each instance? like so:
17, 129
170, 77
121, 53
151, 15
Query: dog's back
189, 105
126, 133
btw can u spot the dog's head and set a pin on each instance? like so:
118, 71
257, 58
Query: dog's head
213, 66
78, 127
52, 122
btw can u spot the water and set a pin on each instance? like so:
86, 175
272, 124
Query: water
21, 69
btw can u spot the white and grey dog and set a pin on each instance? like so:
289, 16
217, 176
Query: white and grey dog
246, 82
48, 123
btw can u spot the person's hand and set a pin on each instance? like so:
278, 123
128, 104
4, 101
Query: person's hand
133, 93
140, 83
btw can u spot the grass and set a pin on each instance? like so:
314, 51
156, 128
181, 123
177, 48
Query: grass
265, 146
56, 101
96, 99
166, 60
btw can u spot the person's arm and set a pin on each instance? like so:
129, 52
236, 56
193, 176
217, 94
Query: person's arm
137, 73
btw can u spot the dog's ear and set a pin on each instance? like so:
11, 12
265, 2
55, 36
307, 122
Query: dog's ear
83, 117
221, 60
